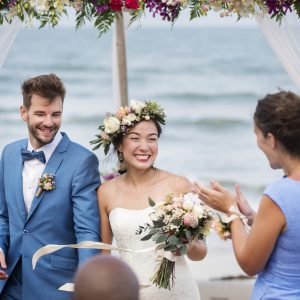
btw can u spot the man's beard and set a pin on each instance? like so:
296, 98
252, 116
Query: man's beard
42, 140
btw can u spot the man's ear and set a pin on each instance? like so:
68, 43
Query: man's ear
24, 113
271, 140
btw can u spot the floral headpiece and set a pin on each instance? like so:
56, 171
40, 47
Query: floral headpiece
125, 118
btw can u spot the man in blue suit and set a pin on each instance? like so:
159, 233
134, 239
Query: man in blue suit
63, 210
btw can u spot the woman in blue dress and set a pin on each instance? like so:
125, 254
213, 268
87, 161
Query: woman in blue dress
272, 247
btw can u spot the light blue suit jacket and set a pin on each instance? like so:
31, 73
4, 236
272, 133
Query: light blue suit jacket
69, 214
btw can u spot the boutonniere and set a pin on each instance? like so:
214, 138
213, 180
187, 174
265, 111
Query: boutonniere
46, 183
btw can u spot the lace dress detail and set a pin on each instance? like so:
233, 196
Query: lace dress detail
124, 223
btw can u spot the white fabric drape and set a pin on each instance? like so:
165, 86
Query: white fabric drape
284, 39
8, 33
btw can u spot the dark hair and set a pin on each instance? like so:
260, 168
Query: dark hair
48, 86
279, 114
118, 141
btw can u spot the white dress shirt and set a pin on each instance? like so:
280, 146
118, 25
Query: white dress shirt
33, 170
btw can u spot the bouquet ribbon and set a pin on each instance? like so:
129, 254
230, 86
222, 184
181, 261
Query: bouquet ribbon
69, 287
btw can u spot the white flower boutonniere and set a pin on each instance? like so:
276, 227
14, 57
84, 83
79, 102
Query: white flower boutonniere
46, 183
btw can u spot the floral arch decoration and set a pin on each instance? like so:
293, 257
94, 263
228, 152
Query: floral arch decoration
104, 12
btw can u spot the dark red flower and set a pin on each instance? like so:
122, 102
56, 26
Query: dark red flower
132, 4
116, 5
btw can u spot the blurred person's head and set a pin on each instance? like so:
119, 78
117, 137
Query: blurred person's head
105, 277
277, 123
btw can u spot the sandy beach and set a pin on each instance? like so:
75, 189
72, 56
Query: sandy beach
219, 276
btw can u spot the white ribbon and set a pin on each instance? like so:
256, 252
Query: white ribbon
169, 256
69, 287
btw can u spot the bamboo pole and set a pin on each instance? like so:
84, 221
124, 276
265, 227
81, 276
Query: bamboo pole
120, 44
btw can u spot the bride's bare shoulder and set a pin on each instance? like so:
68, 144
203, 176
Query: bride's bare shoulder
178, 183
108, 187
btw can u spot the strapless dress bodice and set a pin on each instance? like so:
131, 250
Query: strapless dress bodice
125, 223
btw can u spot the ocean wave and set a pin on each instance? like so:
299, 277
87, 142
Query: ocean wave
7, 110
210, 122
77, 119
203, 97
246, 187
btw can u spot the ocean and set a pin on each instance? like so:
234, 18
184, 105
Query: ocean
207, 79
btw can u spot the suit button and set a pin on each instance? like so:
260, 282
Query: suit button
25, 231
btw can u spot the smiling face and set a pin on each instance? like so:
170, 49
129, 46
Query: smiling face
43, 118
140, 146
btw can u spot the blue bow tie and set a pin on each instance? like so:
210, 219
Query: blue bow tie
27, 155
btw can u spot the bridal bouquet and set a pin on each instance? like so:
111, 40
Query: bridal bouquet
176, 221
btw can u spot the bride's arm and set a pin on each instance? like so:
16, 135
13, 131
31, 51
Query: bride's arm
106, 232
197, 250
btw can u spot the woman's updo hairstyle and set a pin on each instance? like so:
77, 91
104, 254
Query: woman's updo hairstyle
279, 114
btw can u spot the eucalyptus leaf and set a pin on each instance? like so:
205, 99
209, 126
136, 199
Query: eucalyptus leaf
158, 223
151, 202
161, 238
170, 248
173, 240
183, 250
177, 222
146, 237
188, 233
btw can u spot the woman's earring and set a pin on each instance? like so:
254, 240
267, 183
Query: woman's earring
120, 156
122, 163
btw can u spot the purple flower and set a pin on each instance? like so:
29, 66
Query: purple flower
167, 12
11, 3
101, 8
277, 7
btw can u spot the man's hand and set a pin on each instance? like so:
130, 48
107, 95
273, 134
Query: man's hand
3, 265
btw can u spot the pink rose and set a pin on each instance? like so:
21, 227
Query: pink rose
187, 220
48, 186
190, 219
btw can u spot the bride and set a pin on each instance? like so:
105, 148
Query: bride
134, 132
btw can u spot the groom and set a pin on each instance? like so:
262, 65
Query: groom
63, 210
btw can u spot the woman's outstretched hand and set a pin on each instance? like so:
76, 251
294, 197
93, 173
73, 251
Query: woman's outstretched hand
244, 205
216, 196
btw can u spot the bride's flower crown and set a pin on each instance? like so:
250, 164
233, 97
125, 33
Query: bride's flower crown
125, 118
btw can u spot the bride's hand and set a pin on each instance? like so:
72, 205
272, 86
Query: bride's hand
216, 196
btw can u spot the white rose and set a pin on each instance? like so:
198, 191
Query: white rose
130, 117
188, 204
137, 106
160, 203
198, 211
126, 122
192, 197
111, 124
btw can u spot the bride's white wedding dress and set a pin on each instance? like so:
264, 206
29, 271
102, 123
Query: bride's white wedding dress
124, 223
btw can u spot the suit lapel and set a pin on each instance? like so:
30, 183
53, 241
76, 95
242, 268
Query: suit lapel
19, 183
51, 168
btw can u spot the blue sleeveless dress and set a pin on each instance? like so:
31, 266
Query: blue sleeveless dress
280, 280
